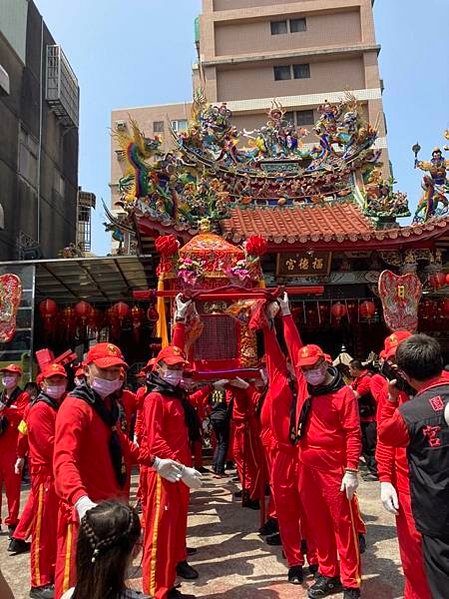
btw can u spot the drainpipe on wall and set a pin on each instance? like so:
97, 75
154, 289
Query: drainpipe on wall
39, 153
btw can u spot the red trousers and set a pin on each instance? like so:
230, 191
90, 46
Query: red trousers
410, 548
66, 536
292, 527
165, 508
43, 540
270, 454
12, 483
334, 527
23, 530
247, 457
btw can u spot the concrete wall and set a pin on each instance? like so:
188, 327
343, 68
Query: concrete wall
236, 4
322, 29
257, 80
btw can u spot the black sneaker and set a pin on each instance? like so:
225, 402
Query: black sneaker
238, 494
47, 592
362, 543
191, 550
295, 575
176, 594
185, 570
324, 587
252, 504
274, 540
203, 470
11, 530
351, 593
269, 528
17, 546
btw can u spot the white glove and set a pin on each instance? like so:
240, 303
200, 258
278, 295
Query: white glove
239, 383
168, 469
18, 466
349, 484
181, 308
83, 505
220, 383
389, 498
192, 478
284, 304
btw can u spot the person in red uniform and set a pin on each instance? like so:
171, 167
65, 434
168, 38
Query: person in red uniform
421, 426
247, 449
13, 402
395, 488
40, 422
168, 419
361, 386
92, 457
284, 473
328, 432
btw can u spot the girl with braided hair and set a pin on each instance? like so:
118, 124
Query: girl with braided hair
107, 543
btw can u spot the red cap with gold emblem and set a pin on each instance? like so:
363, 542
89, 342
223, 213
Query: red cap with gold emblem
80, 372
172, 356
13, 369
53, 370
309, 355
105, 355
392, 342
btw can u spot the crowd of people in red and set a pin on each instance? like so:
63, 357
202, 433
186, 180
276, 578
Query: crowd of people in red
300, 430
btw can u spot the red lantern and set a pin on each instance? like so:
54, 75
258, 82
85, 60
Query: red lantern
367, 309
447, 279
338, 311
137, 317
437, 280
152, 314
83, 310
121, 310
48, 310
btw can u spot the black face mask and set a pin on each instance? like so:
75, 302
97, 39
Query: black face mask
392, 373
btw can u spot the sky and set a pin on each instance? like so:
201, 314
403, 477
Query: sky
140, 52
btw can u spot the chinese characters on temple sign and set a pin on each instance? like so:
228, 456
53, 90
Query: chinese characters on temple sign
303, 264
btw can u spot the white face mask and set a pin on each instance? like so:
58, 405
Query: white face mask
172, 377
104, 387
317, 376
55, 391
9, 381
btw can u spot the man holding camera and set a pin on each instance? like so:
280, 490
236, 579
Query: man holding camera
421, 425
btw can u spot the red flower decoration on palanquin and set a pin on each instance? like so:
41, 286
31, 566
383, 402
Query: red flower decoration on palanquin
256, 245
167, 245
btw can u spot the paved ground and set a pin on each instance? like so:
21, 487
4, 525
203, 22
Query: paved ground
235, 563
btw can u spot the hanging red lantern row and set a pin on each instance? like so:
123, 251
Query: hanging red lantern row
122, 311
438, 280
339, 311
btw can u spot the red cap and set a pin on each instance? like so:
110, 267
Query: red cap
392, 342
13, 369
328, 358
172, 356
53, 370
309, 355
80, 372
105, 355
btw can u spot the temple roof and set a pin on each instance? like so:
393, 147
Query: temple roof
332, 223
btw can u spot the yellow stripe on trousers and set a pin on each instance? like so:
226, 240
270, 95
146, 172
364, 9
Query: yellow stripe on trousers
68, 558
37, 535
356, 540
153, 560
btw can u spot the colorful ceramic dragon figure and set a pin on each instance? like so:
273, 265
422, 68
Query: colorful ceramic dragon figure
136, 150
